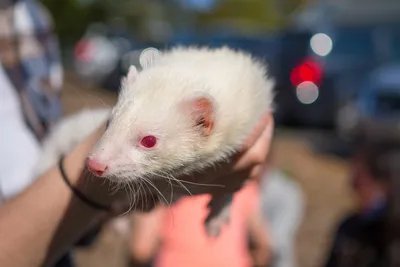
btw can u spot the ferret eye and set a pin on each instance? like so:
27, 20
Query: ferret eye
148, 141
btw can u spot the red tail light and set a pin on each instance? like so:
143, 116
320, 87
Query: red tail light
308, 71
83, 50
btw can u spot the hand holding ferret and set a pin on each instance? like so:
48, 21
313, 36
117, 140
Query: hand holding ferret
183, 123
227, 178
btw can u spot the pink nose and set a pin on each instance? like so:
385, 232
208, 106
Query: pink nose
96, 167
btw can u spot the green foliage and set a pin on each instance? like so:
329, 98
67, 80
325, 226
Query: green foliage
252, 14
71, 18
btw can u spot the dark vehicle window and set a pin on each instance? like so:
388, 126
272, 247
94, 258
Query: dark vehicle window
262, 48
396, 45
353, 42
359, 43
293, 48
388, 102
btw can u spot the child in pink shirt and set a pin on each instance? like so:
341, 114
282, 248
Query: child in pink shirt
177, 237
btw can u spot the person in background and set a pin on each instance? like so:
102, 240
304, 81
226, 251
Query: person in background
282, 206
369, 236
31, 79
176, 236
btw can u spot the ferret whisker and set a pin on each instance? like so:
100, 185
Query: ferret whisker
149, 190
170, 177
192, 183
159, 192
135, 194
129, 201
172, 191
170, 183
115, 187
127, 188
140, 193
180, 183
143, 195
132, 196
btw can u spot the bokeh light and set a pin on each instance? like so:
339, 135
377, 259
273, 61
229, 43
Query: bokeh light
307, 92
321, 44
308, 71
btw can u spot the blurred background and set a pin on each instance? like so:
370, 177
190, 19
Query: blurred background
334, 63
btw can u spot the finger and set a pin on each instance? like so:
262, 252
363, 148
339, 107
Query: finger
258, 153
258, 130
256, 172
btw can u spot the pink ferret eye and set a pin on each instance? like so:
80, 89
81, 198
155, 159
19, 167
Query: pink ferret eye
148, 141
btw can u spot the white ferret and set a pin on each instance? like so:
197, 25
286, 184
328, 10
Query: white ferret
186, 110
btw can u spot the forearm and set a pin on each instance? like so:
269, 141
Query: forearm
43, 222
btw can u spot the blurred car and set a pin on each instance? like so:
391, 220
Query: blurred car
317, 72
100, 55
321, 63
262, 47
374, 112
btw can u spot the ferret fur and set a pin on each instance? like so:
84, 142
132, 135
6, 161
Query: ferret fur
67, 133
160, 101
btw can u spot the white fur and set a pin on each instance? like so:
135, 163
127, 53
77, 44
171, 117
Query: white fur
67, 133
153, 104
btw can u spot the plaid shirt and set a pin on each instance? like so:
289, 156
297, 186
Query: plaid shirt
29, 53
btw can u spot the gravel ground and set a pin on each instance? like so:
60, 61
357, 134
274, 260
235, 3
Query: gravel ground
322, 177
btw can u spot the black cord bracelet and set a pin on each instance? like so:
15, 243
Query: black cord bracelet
77, 193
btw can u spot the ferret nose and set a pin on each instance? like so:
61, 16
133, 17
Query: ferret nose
96, 167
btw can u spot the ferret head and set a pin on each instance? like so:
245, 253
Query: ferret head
151, 132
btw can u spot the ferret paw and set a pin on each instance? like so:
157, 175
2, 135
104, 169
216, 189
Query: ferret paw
214, 224
213, 228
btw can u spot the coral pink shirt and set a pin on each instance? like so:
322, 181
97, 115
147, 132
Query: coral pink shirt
184, 240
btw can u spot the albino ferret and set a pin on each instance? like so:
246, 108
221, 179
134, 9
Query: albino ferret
186, 110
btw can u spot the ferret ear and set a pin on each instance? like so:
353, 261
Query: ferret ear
202, 111
130, 77
132, 74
